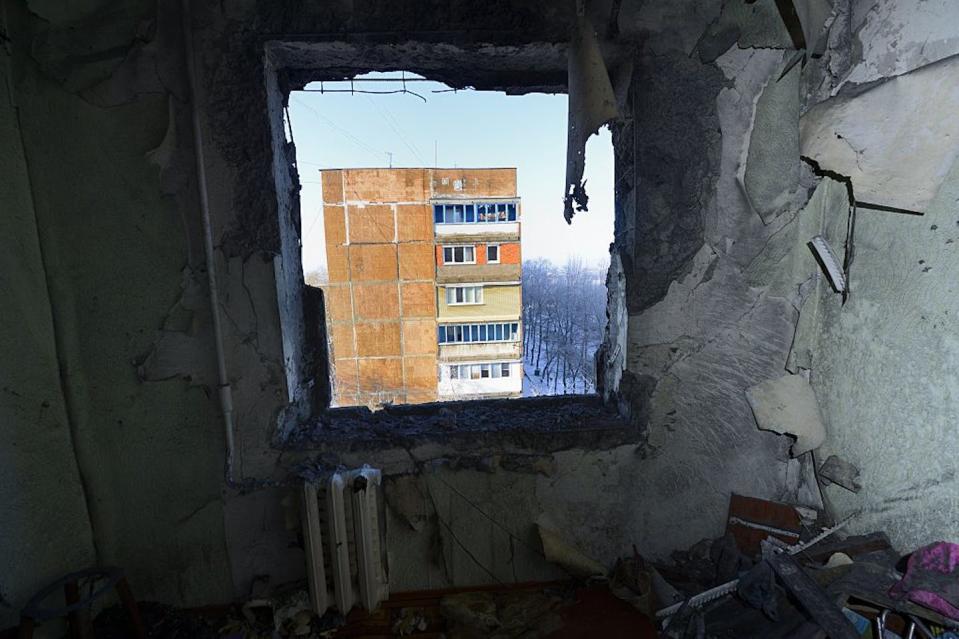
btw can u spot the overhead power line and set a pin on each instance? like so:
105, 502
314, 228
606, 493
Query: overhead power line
360, 143
398, 133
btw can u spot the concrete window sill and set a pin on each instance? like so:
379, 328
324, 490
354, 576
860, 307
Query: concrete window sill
533, 424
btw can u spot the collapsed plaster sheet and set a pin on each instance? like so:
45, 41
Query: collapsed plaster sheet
558, 551
895, 140
787, 254
592, 103
897, 36
788, 405
748, 23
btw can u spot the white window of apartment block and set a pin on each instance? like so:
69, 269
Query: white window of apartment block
464, 295
492, 253
459, 255
479, 371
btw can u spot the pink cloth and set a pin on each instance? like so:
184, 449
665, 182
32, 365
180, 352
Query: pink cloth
932, 579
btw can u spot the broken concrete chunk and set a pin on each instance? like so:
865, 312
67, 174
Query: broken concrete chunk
592, 103
476, 610
838, 559
788, 406
838, 471
896, 140
770, 171
558, 551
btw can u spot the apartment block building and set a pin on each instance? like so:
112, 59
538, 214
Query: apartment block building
424, 296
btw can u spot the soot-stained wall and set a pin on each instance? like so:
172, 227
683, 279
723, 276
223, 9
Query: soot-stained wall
112, 409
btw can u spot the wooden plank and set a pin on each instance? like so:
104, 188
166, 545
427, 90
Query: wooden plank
820, 606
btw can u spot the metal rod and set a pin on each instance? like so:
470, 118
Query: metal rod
223, 380
400, 80
364, 91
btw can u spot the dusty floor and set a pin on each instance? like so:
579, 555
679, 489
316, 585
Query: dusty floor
558, 610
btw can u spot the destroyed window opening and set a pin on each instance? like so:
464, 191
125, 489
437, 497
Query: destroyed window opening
536, 85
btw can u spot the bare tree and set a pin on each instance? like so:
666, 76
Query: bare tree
564, 318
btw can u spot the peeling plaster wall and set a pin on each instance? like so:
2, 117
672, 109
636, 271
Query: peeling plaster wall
885, 370
706, 295
705, 322
896, 36
116, 248
884, 363
45, 527
108, 156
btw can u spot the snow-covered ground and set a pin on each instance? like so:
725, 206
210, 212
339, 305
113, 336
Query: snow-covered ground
536, 385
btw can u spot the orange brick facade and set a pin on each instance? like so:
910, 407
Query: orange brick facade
382, 258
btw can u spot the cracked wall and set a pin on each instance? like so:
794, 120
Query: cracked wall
119, 211
704, 321
709, 286
724, 292
884, 363
125, 363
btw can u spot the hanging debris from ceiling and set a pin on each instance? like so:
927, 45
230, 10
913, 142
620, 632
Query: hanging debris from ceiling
592, 103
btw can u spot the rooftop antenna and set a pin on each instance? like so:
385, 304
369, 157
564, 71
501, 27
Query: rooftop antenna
390, 156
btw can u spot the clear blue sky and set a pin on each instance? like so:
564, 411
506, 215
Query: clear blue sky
470, 129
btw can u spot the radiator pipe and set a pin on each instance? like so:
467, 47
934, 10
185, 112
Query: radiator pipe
223, 381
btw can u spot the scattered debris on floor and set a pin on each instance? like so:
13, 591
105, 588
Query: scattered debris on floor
572, 560
478, 615
770, 576
775, 573
285, 613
